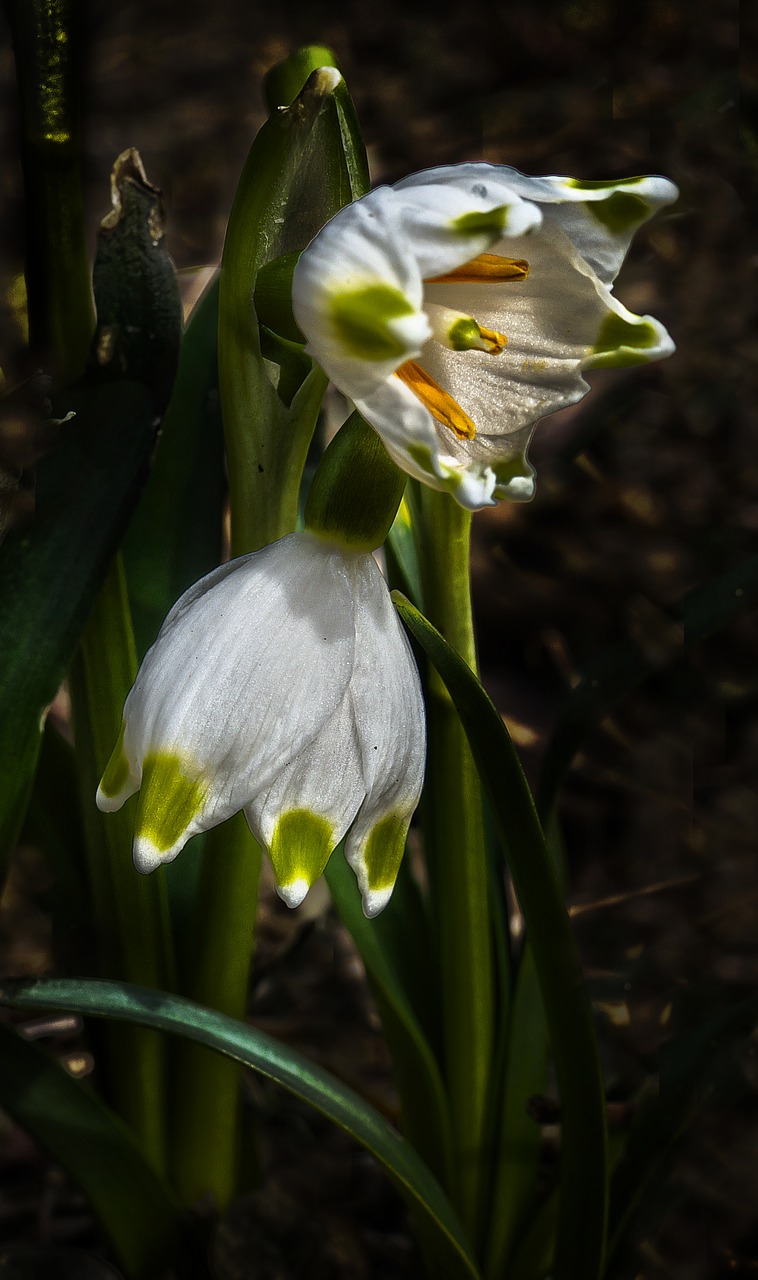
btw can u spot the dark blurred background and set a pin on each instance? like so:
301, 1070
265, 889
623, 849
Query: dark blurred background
646, 491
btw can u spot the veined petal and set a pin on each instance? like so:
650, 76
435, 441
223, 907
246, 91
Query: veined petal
448, 224
600, 218
425, 449
559, 322
391, 729
304, 814
241, 678
357, 295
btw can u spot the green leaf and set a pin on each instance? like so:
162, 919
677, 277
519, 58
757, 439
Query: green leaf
176, 534
306, 1081
50, 573
580, 1246
49, 40
87, 487
97, 1150
139, 313
306, 162
524, 1074
395, 948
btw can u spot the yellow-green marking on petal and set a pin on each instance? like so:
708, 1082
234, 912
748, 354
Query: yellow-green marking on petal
621, 342
363, 319
300, 849
598, 184
515, 479
619, 212
116, 774
381, 858
481, 222
169, 800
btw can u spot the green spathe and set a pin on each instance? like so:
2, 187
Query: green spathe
300, 847
356, 490
363, 319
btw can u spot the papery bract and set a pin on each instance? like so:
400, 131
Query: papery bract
458, 307
281, 684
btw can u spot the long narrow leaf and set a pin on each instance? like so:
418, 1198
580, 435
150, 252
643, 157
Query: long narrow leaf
49, 575
313, 1085
97, 1150
580, 1247
176, 534
394, 948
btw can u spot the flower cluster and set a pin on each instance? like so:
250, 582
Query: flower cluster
458, 307
455, 309
281, 684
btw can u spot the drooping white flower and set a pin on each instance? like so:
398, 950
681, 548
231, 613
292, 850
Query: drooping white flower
281, 684
458, 307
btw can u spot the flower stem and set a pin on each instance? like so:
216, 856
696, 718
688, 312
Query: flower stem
131, 911
205, 1129
46, 39
456, 853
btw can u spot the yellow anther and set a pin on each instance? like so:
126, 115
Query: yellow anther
487, 268
442, 406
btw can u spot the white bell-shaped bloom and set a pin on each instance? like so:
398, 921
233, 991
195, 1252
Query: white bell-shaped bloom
283, 685
458, 307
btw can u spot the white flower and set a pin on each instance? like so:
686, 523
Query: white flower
463, 304
281, 684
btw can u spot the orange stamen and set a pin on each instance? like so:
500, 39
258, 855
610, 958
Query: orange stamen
487, 268
495, 343
442, 406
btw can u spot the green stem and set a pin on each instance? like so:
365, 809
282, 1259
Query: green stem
59, 299
456, 855
131, 911
205, 1134
266, 443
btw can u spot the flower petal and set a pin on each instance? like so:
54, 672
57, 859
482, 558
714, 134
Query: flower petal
241, 678
391, 727
303, 815
424, 449
449, 223
559, 321
600, 218
357, 294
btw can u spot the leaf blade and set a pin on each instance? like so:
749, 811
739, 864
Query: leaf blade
306, 1081
584, 1184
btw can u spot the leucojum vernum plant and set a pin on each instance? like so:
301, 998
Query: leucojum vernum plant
295, 699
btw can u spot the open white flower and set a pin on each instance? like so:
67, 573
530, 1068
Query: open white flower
458, 307
281, 684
